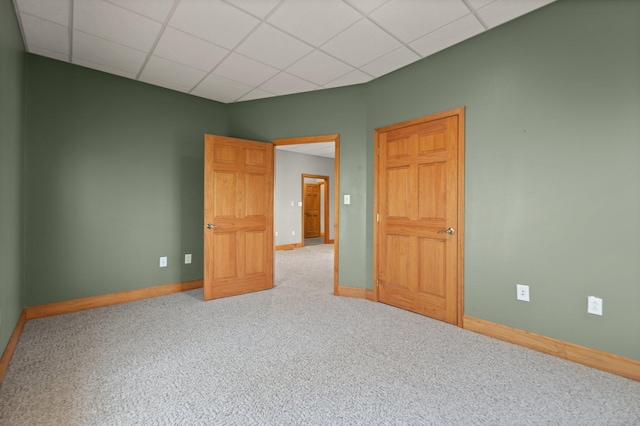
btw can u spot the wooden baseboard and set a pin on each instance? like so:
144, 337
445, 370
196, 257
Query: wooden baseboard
11, 345
68, 306
611, 363
289, 246
358, 293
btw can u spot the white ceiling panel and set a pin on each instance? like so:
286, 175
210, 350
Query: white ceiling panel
155, 9
52, 10
314, 21
501, 11
103, 68
173, 73
320, 149
412, 19
115, 24
244, 70
319, 68
189, 50
256, 94
253, 49
447, 36
361, 44
259, 8
273, 47
353, 78
221, 89
366, 6
477, 4
390, 62
46, 34
107, 53
284, 84
213, 21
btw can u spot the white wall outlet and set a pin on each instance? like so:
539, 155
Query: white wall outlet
187, 259
347, 199
522, 292
594, 305
163, 262
293, 232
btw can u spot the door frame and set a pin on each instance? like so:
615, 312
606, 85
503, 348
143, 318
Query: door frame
460, 112
336, 185
324, 206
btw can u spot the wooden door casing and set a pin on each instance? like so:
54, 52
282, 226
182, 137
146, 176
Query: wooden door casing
239, 206
419, 195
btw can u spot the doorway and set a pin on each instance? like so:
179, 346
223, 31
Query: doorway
331, 231
315, 209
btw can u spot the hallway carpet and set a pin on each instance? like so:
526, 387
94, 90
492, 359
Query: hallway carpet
289, 356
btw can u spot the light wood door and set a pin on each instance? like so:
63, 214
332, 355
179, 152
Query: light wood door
311, 210
238, 214
417, 200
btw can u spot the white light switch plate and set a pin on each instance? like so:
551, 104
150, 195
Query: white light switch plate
187, 258
347, 199
163, 262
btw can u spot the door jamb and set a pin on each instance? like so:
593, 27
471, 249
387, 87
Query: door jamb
460, 112
325, 206
336, 184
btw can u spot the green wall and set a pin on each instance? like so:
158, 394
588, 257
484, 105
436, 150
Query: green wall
114, 181
11, 171
552, 166
114, 171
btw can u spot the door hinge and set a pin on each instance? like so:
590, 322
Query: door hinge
377, 283
377, 217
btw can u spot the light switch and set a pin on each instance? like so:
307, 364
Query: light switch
299, 203
347, 199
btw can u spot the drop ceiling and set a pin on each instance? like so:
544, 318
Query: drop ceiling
319, 149
239, 50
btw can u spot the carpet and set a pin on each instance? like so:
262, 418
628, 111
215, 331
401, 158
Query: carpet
292, 355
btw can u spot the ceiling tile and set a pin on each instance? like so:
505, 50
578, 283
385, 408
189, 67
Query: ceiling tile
314, 21
172, 73
107, 53
259, 8
52, 10
273, 47
189, 50
48, 53
45, 34
390, 62
501, 11
354, 77
477, 4
284, 84
409, 20
256, 94
154, 9
221, 89
366, 6
114, 24
319, 68
214, 21
450, 35
103, 68
361, 43
244, 70
164, 84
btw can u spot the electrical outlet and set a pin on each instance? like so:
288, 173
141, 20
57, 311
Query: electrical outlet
187, 259
293, 232
594, 305
522, 292
163, 262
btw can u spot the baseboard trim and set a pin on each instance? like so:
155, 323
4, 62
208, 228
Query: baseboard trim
289, 246
604, 361
11, 345
355, 292
68, 306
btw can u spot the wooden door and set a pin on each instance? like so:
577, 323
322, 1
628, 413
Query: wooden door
311, 210
238, 214
419, 229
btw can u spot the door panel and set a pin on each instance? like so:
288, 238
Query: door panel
239, 207
311, 210
417, 184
